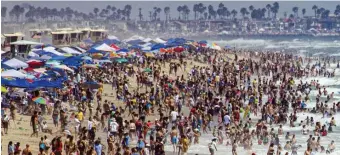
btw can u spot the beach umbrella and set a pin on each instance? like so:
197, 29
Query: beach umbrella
149, 55
35, 64
52, 63
92, 85
114, 55
86, 58
3, 89
90, 66
121, 60
122, 54
39, 100
97, 55
178, 49
148, 70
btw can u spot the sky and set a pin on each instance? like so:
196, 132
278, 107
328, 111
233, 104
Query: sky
88, 6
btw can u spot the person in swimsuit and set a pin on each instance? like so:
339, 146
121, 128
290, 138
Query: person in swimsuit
174, 139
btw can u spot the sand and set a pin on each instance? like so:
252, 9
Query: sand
21, 131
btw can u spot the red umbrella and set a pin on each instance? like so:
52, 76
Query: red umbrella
179, 49
29, 69
35, 64
115, 47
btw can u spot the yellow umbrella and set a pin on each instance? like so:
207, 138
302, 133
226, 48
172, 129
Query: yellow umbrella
97, 55
3, 89
114, 55
149, 55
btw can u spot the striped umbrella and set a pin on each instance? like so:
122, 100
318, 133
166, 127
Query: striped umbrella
40, 100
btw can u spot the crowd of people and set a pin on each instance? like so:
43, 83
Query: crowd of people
238, 96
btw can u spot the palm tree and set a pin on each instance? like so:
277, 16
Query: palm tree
275, 8
234, 13
195, 9
325, 14
3, 12
268, 6
319, 12
227, 13
220, 12
211, 11
202, 10
16, 11
95, 11
315, 8
140, 14
113, 10
296, 11
303, 12
263, 10
127, 10
179, 9
251, 7
108, 7
243, 11
337, 10
167, 12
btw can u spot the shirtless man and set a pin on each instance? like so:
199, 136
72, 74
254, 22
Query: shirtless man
308, 151
174, 137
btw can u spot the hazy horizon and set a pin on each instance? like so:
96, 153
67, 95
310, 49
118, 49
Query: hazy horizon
88, 6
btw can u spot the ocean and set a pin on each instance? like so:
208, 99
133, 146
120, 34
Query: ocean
301, 47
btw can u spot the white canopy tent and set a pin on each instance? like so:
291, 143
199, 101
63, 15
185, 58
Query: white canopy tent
112, 37
105, 47
80, 49
159, 40
13, 73
32, 54
51, 50
70, 50
135, 37
25, 42
147, 40
15, 63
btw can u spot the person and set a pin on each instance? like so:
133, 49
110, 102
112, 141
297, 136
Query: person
174, 115
34, 123
27, 150
234, 147
45, 128
212, 146
308, 151
331, 147
17, 150
10, 148
174, 138
140, 144
98, 147
185, 144
59, 147
47, 144
5, 122
271, 149
113, 127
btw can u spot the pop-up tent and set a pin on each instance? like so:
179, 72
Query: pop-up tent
70, 50
15, 63
104, 47
13, 73
25, 42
